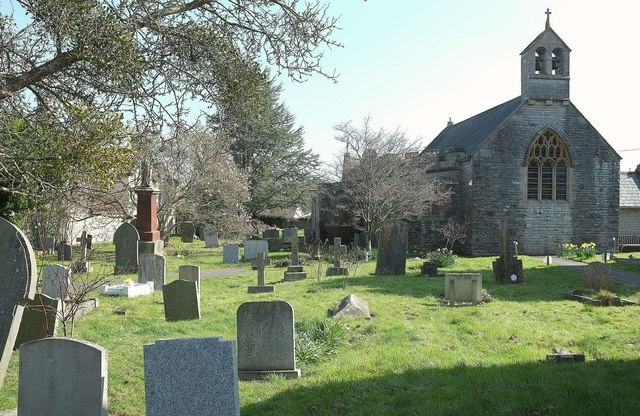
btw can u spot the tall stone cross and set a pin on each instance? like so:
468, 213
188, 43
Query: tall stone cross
337, 249
294, 247
85, 242
261, 262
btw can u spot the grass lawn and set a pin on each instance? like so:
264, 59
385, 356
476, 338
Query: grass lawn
414, 357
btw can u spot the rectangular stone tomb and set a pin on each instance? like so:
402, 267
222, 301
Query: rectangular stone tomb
127, 290
62, 376
230, 253
191, 376
266, 340
181, 300
463, 288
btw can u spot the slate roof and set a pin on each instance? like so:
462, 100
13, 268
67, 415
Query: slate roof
469, 134
630, 189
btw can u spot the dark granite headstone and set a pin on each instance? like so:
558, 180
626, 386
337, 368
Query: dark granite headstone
126, 241
186, 232
64, 252
39, 319
392, 250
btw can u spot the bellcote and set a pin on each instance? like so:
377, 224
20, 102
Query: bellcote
545, 66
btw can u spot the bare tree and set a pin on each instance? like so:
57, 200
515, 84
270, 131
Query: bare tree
383, 178
454, 231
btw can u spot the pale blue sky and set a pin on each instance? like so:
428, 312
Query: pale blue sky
415, 63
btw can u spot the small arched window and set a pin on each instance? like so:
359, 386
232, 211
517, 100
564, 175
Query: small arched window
557, 63
540, 54
547, 164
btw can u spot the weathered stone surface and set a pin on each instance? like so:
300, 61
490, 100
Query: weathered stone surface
463, 287
597, 276
261, 262
126, 241
275, 245
352, 306
429, 269
56, 281
191, 376
338, 251
39, 319
62, 376
563, 355
65, 252
253, 247
190, 274
187, 230
392, 250
152, 268
210, 238
181, 300
230, 253
18, 279
266, 343
272, 233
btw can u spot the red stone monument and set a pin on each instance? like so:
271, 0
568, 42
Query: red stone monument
147, 215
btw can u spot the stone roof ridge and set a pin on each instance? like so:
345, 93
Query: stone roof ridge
469, 134
539, 39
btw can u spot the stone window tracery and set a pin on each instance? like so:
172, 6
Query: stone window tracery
547, 163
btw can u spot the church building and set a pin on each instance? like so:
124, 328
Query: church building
534, 162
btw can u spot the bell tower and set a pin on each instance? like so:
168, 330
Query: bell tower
545, 66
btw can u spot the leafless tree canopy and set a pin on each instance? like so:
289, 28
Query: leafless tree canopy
383, 178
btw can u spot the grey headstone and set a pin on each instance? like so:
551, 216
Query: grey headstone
210, 238
288, 232
181, 300
253, 247
56, 281
230, 253
152, 268
266, 343
352, 306
49, 244
39, 320
275, 245
18, 279
308, 233
65, 251
191, 376
186, 232
597, 276
272, 233
62, 376
392, 250
190, 274
126, 241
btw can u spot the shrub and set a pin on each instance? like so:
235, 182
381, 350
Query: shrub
442, 257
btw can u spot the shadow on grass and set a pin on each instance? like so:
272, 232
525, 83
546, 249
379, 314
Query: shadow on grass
591, 388
544, 283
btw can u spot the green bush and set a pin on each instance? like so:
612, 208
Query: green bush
442, 257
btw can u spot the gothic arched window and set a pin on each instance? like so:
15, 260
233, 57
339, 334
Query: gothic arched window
557, 64
539, 55
547, 163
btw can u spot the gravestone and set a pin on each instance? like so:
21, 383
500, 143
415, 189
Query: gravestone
429, 269
230, 253
56, 281
62, 376
597, 276
191, 376
39, 319
275, 245
308, 233
65, 251
49, 244
186, 232
352, 306
190, 274
18, 279
181, 301
508, 268
82, 265
463, 288
294, 271
152, 268
392, 250
126, 241
210, 238
272, 233
266, 340
338, 250
253, 247
287, 233
261, 262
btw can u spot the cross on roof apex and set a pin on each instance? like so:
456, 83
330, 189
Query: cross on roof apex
548, 23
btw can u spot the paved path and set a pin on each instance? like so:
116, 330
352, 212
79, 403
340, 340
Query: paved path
617, 275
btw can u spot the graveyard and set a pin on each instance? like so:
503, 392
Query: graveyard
416, 355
